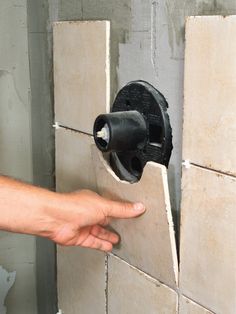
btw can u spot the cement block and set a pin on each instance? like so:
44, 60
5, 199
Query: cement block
132, 291
81, 280
209, 131
208, 237
74, 168
81, 72
187, 306
147, 242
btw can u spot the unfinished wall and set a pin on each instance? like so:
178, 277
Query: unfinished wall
144, 265
151, 49
26, 145
17, 252
147, 42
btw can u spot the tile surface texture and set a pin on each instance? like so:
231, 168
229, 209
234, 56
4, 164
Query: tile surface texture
209, 133
187, 306
147, 242
81, 72
81, 280
80, 272
131, 291
208, 237
74, 167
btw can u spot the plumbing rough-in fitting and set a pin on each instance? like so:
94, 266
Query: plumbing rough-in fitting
136, 131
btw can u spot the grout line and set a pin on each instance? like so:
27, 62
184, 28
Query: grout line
106, 284
203, 306
213, 170
143, 273
177, 290
71, 129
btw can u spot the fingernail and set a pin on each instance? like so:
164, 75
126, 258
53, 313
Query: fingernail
139, 207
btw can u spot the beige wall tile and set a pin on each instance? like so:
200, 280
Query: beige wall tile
208, 237
80, 272
81, 280
74, 167
209, 133
131, 291
81, 72
146, 242
187, 306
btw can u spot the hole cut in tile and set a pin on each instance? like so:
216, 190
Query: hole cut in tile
147, 242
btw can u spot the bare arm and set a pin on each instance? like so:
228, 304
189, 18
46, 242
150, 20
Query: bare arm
66, 218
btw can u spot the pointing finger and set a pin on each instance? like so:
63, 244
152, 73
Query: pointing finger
124, 210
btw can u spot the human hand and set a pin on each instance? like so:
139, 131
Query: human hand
82, 217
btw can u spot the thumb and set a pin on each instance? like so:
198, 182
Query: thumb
124, 209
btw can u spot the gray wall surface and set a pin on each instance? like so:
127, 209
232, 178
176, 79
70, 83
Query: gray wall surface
17, 252
26, 146
147, 42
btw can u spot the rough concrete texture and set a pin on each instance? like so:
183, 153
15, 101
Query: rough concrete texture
15, 139
7, 279
17, 253
40, 61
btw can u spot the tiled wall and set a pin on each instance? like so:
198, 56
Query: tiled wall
141, 276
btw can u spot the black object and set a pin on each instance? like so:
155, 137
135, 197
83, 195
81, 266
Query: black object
136, 131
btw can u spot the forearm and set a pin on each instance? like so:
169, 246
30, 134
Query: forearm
25, 208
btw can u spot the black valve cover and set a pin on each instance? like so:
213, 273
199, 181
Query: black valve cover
144, 98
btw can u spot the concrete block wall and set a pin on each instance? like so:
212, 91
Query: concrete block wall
26, 145
17, 252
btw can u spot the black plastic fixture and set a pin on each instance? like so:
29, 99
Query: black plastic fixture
136, 131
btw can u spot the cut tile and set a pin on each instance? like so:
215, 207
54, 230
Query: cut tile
187, 306
81, 280
208, 237
209, 131
81, 72
147, 242
74, 167
132, 291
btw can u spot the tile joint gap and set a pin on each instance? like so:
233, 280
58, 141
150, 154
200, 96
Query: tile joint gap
213, 170
143, 272
74, 130
184, 295
106, 284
